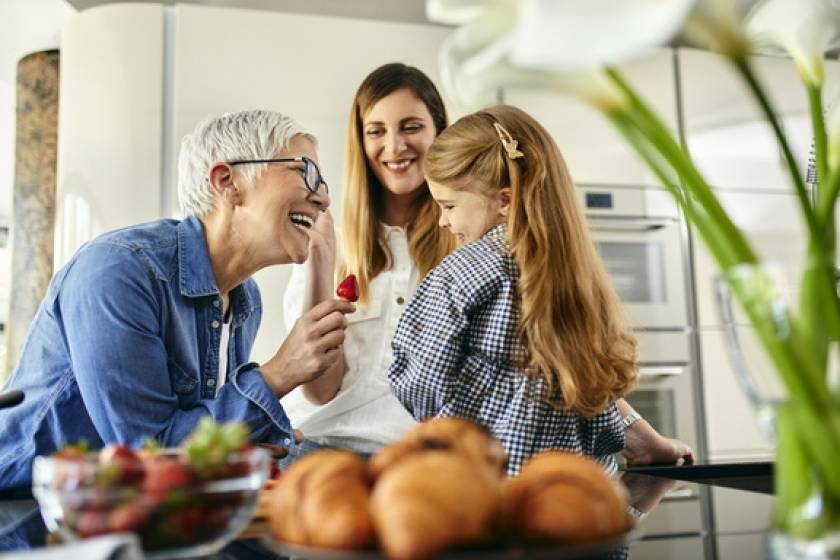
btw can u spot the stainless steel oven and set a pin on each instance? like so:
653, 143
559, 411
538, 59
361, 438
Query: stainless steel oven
639, 234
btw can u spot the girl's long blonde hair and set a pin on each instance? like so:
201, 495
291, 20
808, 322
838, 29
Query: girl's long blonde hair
570, 321
365, 252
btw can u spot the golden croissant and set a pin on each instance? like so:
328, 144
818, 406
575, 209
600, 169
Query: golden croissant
431, 501
562, 497
456, 435
322, 500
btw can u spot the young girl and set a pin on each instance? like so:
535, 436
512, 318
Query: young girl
520, 328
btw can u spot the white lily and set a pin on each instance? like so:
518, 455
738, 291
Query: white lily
486, 27
518, 44
459, 12
586, 34
805, 29
716, 25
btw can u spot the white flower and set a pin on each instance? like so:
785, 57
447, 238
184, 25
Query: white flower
716, 25
478, 44
587, 34
510, 43
805, 29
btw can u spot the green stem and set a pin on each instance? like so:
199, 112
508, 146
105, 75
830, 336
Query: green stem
651, 127
742, 64
819, 326
792, 351
792, 480
829, 190
717, 242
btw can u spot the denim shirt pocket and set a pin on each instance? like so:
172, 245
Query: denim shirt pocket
183, 382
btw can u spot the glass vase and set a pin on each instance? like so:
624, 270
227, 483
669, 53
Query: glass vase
757, 308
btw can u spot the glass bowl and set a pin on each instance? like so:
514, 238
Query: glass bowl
177, 507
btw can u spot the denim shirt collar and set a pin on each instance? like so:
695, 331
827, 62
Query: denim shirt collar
195, 272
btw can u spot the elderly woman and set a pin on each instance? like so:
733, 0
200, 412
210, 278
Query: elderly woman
149, 328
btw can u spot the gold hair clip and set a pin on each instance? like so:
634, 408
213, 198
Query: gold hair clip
508, 142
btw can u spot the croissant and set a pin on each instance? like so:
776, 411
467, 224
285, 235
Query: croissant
453, 434
323, 500
562, 497
431, 501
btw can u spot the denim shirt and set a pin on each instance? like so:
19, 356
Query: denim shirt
125, 347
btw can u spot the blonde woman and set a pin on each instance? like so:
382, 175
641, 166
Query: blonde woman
520, 328
389, 240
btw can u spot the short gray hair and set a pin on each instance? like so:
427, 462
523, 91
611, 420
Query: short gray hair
232, 136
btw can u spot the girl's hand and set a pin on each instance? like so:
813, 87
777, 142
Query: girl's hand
644, 446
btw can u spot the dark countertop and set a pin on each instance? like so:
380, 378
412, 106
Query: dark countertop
666, 497
756, 476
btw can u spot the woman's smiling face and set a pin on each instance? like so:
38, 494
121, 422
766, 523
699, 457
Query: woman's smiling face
398, 131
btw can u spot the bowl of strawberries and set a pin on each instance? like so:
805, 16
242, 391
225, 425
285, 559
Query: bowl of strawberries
182, 502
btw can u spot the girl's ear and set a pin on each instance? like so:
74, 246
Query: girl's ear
223, 185
504, 201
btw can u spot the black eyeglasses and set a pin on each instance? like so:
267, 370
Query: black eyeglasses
312, 177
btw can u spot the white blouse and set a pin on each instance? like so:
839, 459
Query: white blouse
364, 414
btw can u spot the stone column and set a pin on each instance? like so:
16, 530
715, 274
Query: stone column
33, 215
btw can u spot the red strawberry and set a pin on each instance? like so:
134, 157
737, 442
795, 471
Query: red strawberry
92, 523
348, 289
128, 517
127, 465
163, 474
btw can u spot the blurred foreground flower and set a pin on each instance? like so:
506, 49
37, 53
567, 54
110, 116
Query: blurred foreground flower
549, 45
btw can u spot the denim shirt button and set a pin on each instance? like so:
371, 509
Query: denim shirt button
215, 324
287, 441
216, 303
211, 382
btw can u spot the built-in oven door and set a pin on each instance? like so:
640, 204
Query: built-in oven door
644, 260
663, 397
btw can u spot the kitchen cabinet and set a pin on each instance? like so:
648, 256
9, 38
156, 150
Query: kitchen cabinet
772, 223
742, 545
741, 521
686, 548
593, 150
732, 426
735, 150
727, 135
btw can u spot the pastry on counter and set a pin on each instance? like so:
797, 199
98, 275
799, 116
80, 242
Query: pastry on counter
561, 497
429, 502
322, 500
456, 435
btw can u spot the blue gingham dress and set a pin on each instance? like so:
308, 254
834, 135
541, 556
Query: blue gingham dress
454, 353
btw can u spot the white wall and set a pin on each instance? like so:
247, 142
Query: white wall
28, 26
109, 155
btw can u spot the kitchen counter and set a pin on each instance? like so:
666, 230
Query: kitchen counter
756, 476
666, 499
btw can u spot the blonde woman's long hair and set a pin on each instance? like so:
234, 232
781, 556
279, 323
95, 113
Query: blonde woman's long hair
365, 252
570, 321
